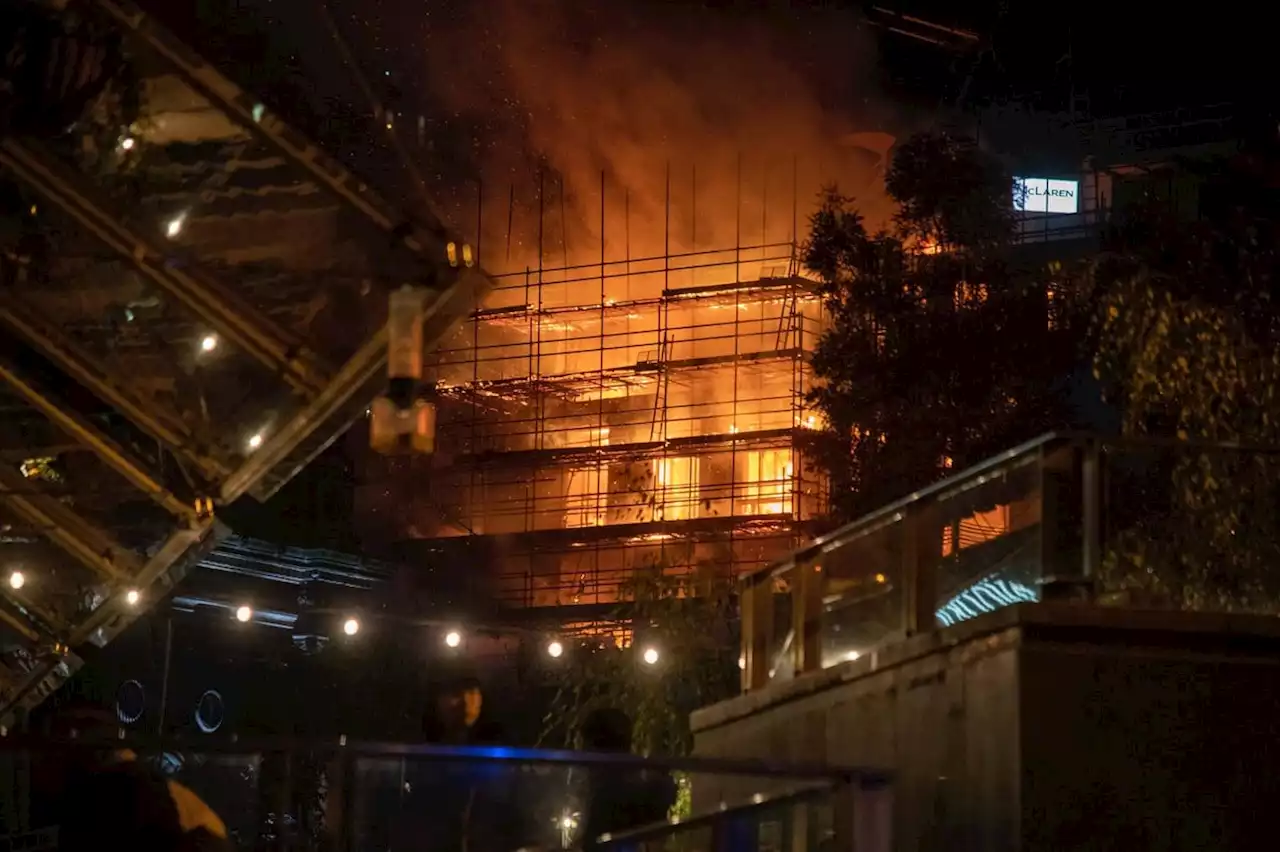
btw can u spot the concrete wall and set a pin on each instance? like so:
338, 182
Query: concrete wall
1042, 727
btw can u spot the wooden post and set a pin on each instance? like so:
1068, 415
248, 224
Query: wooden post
806, 614
921, 545
757, 631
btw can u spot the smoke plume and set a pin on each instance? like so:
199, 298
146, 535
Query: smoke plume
637, 128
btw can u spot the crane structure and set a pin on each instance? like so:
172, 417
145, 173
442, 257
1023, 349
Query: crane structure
193, 304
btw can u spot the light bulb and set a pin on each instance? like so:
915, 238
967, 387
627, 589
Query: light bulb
208, 343
554, 648
255, 441
174, 227
17, 580
244, 614
453, 639
351, 627
132, 597
650, 656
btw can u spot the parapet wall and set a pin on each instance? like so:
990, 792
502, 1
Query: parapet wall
1043, 726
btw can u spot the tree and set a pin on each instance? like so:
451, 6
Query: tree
942, 348
689, 619
1186, 344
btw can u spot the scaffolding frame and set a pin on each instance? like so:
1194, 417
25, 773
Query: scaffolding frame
604, 416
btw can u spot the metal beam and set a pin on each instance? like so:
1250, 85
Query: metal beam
163, 425
89, 545
427, 239
176, 556
224, 310
115, 456
358, 381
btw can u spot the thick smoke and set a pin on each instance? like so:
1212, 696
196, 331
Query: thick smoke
738, 118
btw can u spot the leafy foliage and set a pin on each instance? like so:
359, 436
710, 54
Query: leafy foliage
690, 619
942, 349
1186, 344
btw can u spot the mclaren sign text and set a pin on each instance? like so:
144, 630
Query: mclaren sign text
1046, 195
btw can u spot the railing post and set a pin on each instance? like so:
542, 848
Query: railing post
806, 615
1091, 510
757, 630
921, 549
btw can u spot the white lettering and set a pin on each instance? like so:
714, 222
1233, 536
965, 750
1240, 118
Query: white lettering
1045, 195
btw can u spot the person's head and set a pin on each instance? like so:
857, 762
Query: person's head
606, 729
462, 701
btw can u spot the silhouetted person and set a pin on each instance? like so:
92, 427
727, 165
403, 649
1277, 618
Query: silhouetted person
465, 804
459, 717
620, 799
104, 798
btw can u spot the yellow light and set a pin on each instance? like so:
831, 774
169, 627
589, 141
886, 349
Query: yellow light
17, 580
879, 578
244, 614
554, 649
351, 627
453, 639
132, 597
208, 343
255, 441
126, 144
174, 227
650, 656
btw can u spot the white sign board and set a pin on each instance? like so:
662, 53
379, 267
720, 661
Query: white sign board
1046, 195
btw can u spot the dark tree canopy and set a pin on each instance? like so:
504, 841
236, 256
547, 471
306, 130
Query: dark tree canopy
943, 347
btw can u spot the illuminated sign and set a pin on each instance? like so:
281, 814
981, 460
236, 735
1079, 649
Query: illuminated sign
1046, 195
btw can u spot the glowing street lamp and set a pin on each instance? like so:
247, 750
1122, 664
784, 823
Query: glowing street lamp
244, 614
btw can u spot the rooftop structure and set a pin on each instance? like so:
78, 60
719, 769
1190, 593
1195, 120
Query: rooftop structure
193, 308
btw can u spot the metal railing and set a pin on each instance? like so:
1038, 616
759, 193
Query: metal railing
339, 795
1150, 522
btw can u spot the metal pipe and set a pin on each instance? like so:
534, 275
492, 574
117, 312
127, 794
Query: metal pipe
160, 423
107, 449
223, 309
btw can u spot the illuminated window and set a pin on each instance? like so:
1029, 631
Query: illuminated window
976, 529
767, 475
970, 294
676, 481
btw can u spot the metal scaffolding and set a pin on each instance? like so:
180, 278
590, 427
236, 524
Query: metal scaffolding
600, 417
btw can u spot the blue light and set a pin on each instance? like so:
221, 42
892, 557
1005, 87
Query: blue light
982, 597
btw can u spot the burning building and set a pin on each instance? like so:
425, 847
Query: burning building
599, 417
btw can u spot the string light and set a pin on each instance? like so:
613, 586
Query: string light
255, 440
132, 597
650, 656
208, 343
17, 580
174, 227
453, 639
555, 649
351, 627
244, 614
